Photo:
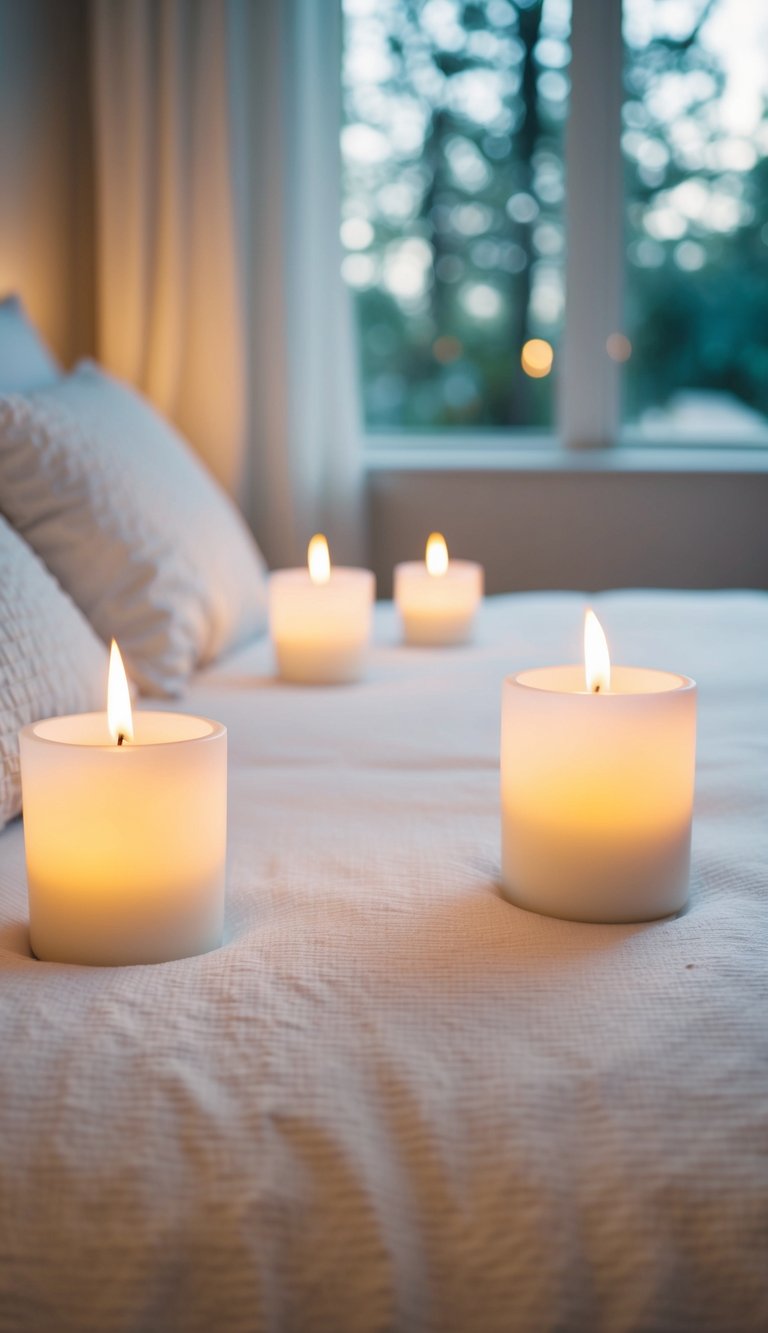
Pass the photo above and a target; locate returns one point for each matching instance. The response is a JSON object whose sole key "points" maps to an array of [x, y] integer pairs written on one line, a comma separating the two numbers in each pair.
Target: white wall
{"points": [[585, 527]]}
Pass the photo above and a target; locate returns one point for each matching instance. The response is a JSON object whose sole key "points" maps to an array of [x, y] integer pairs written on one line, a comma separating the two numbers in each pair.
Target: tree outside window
{"points": [[454, 211]]}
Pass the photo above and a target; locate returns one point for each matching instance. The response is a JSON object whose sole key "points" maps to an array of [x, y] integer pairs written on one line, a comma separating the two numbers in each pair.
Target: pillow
{"points": [[25, 362], [51, 661], [133, 527]]}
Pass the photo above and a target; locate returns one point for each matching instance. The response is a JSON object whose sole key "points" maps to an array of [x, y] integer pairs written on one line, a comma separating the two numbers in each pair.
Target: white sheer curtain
{"points": [[218, 292]]}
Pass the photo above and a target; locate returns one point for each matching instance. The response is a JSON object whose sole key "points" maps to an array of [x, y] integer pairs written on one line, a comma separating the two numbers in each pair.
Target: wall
{"points": [[579, 527], [46, 231]]}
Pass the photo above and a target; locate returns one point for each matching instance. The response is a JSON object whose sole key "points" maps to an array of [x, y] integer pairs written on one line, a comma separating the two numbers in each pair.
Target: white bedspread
{"points": [[393, 1101]]}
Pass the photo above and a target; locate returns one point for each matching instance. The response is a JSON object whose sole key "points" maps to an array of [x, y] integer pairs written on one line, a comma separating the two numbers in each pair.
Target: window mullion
{"points": [[589, 383]]}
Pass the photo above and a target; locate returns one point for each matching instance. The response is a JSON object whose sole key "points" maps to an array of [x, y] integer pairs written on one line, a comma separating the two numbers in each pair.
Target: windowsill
{"points": [[541, 454]]}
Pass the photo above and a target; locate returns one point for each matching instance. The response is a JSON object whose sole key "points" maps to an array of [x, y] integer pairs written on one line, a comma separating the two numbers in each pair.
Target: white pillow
{"points": [[25, 362], [133, 527], [51, 661]]}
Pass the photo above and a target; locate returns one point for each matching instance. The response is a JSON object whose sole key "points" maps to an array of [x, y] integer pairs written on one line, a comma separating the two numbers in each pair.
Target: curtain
{"points": [[218, 267]]}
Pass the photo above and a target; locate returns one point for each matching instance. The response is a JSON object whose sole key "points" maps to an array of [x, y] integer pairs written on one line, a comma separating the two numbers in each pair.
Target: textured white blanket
{"points": [[393, 1101]]}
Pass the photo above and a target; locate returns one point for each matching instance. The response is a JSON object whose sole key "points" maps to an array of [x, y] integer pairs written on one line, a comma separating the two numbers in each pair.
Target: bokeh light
{"points": [[359, 271], [356, 234], [618, 347], [446, 349], [536, 358], [481, 301]]}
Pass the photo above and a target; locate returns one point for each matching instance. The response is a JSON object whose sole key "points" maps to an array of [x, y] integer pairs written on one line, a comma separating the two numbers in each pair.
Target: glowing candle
{"points": [[437, 600], [125, 829], [320, 619], [597, 775]]}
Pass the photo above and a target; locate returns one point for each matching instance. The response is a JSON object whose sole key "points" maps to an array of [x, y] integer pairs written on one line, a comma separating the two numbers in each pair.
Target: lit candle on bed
{"points": [[597, 773], [437, 599], [125, 829], [320, 619]]}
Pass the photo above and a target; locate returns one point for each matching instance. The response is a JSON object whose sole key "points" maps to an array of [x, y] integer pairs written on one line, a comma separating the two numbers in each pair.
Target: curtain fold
{"points": [[322, 408], [217, 179]]}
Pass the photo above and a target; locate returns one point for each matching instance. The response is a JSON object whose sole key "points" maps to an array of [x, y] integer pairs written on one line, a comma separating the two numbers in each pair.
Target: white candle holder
{"points": [[439, 609], [125, 844], [597, 793], [321, 631]]}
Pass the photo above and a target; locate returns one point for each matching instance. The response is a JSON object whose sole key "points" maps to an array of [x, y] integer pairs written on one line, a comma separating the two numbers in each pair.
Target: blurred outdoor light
{"points": [[536, 358]]}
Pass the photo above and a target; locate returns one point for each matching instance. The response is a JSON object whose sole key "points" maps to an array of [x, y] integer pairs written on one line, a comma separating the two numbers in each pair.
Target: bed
{"points": [[393, 1101]]}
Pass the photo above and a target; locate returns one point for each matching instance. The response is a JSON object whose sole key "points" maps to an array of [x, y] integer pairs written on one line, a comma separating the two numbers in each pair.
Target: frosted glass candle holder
{"points": [[438, 610], [321, 631], [125, 845], [597, 793]]}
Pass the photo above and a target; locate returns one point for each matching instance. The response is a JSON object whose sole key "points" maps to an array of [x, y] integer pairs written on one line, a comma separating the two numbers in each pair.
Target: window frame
{"points": [[589, 389]]}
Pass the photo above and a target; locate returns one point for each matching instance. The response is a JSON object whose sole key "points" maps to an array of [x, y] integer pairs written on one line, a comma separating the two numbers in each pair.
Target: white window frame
{"points": [[589, 398]]}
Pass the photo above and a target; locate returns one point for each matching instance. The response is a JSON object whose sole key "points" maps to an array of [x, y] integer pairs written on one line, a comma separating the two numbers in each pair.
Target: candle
{"points": [[437, 600], [597, 771], [320, 619], [125, 825]]}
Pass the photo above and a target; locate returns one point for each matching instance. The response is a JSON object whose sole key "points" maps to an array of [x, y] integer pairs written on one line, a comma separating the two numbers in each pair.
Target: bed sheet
{"points": [[393, 1101]]}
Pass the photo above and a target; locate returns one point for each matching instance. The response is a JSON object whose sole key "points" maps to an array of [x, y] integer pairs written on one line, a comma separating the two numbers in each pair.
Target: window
{"points": [[457, 219], [695, 145], [453, 215]]}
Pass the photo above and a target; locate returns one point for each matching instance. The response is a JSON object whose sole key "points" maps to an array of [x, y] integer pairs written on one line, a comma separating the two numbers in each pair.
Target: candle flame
{"points": [[119, 712], [597, 661], [437, 555], [318, 559]]}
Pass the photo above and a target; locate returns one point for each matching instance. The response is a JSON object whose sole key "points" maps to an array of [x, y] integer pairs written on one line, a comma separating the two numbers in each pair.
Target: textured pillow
{"points": [[133, 527], [50, 659], [25, 362]]}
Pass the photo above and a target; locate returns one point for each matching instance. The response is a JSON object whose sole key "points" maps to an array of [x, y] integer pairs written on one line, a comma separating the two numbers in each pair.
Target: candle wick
{"points": [[120, 737], [596, 690]]}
